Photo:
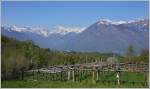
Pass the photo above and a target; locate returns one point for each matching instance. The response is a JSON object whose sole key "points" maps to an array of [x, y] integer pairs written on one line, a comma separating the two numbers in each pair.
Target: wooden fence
{"points": [[93, 70]]}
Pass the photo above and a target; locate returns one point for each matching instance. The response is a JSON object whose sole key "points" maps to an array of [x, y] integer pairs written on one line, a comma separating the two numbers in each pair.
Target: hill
{"points": [[18, 56]]}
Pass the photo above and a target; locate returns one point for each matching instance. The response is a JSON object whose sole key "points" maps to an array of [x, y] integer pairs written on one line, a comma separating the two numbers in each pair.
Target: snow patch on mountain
{"points": [[136, 20], [65, 30], [15, 28], [45, 32], [108, 22]]}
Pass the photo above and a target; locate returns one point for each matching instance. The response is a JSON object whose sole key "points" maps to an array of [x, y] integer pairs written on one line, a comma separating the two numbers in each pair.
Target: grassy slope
{"points": [[85, 83]]}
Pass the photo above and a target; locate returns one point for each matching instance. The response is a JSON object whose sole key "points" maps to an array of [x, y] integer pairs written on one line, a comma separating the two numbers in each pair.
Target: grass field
{"points": [[106, 80]]}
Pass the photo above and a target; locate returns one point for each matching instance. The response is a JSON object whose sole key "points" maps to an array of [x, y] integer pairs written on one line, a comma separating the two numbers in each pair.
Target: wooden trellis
{"points": [[76, 72]]}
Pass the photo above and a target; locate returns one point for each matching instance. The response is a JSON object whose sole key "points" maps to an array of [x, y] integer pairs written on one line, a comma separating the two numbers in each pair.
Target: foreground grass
{"points": [[59, 84], [85, 83]]}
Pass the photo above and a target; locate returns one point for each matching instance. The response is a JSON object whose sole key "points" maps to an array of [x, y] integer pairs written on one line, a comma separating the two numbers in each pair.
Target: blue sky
{"points": [[81, 14]]}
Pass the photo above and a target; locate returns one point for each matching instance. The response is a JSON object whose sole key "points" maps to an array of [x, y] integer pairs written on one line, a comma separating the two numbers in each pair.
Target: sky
{"points": [[72, 14]]}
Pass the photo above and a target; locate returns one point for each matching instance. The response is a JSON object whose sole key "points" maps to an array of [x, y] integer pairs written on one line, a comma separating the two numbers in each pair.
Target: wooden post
{"points": [[93, 74], [93, 77], [69, 75], [73, 74], [97, 76]]}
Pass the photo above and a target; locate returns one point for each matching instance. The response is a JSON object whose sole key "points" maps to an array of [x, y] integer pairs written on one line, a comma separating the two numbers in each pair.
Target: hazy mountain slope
{"points": [[104, 35]]}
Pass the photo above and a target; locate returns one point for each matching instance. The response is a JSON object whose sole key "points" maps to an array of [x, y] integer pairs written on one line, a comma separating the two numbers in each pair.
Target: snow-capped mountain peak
{"points": [[15, 28], [105, 21], [120, 22], [45, 32], [108, 22], [65, 30]]}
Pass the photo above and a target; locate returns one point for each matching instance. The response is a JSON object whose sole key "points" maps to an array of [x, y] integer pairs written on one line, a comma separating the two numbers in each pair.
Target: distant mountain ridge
{"points": [[104, 36], [43, 31]]}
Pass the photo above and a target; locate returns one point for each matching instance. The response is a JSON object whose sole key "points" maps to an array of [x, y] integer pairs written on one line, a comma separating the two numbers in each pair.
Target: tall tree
{"points": [[144, 56], [130, 51], [130, 54]]}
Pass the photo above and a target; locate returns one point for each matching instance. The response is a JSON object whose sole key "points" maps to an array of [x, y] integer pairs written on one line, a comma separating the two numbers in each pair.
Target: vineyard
{"points": [[100, 74]]}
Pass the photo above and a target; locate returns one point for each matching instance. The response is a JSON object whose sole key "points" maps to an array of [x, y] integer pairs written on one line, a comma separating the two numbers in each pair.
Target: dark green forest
{"points": [[18, 56]]}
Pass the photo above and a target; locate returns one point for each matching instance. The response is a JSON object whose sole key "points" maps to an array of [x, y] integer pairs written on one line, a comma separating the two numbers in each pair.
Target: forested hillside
{"points": [[18, 56]]}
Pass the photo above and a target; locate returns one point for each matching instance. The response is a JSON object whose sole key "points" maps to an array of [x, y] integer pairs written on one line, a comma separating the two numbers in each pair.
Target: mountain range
{"points": [[102, 36]]}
